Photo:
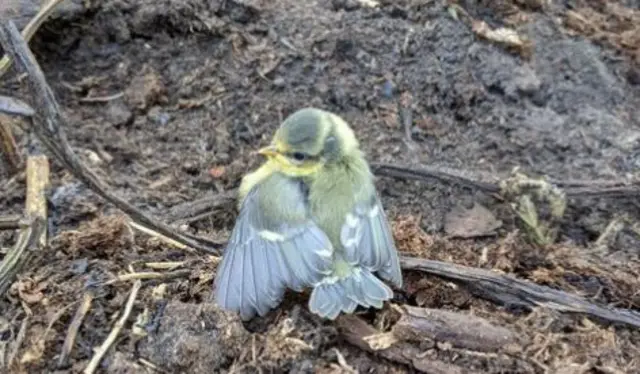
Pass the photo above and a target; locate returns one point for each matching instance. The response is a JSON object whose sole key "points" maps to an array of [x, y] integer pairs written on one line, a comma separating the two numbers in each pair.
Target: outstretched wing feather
{"points": [[260, 262], [367, 240]]}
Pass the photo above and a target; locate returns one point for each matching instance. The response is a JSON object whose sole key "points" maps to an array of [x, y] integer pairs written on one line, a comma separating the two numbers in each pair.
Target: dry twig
{"points": [[164, 265], [491, 184], [194, 211], [74, 326], [37, 184], [35, 350], [14, 222], [102, 99], [355, 331], [150, 275], [159, 236], [418, 325], [102, 350], [151, 365], [17, 343], [459, 329]]}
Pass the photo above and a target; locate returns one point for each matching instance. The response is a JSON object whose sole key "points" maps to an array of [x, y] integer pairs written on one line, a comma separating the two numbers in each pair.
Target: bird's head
{"points": [[309, 140]]}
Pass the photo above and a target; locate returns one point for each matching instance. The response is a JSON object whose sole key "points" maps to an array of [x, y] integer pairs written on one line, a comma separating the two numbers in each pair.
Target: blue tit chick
{"points": [[310, 216]]}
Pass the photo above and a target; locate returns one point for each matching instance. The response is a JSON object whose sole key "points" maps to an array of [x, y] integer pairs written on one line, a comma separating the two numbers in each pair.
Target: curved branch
{"points": [[509, 290], [609, 189]]}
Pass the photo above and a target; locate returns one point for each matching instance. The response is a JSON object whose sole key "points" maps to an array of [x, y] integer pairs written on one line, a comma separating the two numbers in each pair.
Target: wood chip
{"points": [[460, 330], [504, 36], [380, 341]]}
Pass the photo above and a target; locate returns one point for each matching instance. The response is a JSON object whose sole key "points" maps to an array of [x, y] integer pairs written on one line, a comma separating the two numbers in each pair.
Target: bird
{"points": [[309, 217]]}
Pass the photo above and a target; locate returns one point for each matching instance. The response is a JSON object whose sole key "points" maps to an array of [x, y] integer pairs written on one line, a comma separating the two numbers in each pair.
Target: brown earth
{"points": [[188, 88]]}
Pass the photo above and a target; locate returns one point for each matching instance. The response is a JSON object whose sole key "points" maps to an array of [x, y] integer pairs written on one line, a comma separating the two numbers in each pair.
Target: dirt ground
{"points": [[166, 100]]}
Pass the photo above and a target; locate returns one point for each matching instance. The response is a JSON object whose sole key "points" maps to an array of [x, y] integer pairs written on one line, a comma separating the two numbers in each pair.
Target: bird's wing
{"points": [[267, 254], [367, 240]]}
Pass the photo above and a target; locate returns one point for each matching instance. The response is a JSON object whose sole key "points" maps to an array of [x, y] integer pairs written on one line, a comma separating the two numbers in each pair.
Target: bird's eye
{"points": [[299, 156]]}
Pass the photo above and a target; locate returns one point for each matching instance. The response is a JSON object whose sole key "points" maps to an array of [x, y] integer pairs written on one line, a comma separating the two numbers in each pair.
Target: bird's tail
{"points": [[359, 287]]}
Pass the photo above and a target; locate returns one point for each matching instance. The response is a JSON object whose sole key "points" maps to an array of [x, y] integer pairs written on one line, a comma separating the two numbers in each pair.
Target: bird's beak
{"points": [[269, 151]]}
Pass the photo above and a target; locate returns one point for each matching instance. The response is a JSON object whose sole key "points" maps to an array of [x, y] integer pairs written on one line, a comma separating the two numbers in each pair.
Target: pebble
{"points": [[158, 116]]}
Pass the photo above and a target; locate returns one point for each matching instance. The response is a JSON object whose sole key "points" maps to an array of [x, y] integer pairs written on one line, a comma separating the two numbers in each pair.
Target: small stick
{"points": [[72, 332], [459, 329], [151, 365], [202, 207], [37, 183], [405, 116], [149, 275], [19, 339], [490, 184], [197, 218], [102, 99], [102, 350], [161, 237], [354, 330], [56, 317], [14, 222], [164, 265], [428, 174]]}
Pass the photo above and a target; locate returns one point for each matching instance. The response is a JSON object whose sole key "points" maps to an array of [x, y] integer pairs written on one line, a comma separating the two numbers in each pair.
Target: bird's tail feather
{"points": [[335, 294]]}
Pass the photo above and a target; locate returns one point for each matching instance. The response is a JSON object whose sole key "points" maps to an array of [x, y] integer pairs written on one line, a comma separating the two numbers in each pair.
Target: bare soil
{"points": [[187, 89]]}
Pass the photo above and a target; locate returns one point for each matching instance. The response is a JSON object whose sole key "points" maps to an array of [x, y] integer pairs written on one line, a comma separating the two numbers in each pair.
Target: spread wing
{"points": [[273, 246], [367, 240]]}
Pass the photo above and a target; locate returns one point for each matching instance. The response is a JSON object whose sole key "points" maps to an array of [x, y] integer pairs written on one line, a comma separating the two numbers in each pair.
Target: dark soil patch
{"points": [[194, 86]]}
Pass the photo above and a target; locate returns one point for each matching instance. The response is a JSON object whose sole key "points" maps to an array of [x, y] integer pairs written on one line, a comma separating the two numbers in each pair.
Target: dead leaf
{"points": [[409, 236], [470, 223]]}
